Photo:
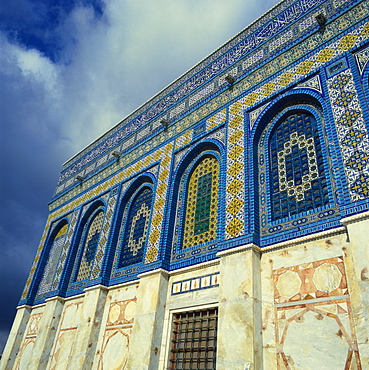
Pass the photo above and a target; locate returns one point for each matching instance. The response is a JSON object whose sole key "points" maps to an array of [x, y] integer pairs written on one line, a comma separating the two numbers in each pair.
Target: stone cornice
{"points": [[200, 266], [239, 249], [304, 239], [153, 272], [355, 218]]}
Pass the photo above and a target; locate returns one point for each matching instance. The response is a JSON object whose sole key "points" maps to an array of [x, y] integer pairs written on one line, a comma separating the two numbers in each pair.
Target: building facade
{"points": [[224, 224]]}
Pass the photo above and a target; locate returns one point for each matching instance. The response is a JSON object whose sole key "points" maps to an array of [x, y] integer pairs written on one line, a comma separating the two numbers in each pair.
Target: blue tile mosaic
{"points": [[289, 147], [134, 236], [297, 178]]}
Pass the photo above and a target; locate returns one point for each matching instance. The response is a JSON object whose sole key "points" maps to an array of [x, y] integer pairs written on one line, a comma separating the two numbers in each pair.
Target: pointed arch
{"points": [[294, 184], [54, 246], [133, 220], [87, 241], [134, 232], [193, 218]]}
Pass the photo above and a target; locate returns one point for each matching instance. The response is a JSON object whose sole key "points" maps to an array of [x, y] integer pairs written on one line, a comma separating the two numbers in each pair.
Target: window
{"points": [[194, 340], [202, 203], [91, 242], [133, 238], [52, 261], [297, 179]]}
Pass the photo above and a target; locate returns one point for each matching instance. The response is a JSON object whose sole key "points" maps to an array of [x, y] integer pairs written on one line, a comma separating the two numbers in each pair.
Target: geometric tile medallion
{"points": [[314, 328]]}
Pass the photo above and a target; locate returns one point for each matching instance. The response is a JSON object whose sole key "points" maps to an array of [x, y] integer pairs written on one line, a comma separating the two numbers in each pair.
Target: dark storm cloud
{"points": [[28, 175], [70, 70], [36, 23]]}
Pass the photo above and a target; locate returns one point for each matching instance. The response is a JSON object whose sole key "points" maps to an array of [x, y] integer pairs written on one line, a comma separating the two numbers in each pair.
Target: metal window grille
{"points": [[297, 179], [203, 203], [194, 340]]}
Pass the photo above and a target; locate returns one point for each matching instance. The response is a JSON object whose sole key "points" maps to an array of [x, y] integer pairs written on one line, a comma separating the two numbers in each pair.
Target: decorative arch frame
{"points": [[297, 100], [172, 248], [128, 198], [79, 246], [49, 260], [365, 79]]}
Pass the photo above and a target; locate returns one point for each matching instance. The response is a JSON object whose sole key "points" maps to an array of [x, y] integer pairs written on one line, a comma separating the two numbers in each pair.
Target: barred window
{"points": [[194, 340], [202, 203], [297, 179], [56, 248], [133, 237], [91, 242]]}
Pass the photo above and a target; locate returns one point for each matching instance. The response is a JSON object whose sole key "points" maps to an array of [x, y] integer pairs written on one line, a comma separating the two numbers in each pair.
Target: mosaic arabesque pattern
{"points": [[134, 234], [97, 263], [117, 172], [235, 223], [52, 261], [235, 176], [352, 133], [337, 26], [312, 83], [254, 59], [333, 50], [60, 263], [312, 303], [85, 197], [251, 38], [184, 139], [64, 253], [314, 61], [91, 241], [294, 184], [216, 120], [201, 218], [362, 59], [309, 64], [180, 247], [159, 202], [296, 179]]}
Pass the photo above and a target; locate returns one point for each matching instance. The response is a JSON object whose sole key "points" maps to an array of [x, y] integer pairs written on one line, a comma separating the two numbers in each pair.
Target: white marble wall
{"points": [[302, 304]]}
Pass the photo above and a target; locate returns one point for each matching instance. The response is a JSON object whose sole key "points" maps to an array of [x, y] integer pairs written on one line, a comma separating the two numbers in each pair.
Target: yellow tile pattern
{"points": [[357, 36], [62, 231], [325, 55], [159, 203], [285, 78], [315, 61], [235, 180], [360, 12], [268, 89], [184, 139], [216, 120], [347, 42]]}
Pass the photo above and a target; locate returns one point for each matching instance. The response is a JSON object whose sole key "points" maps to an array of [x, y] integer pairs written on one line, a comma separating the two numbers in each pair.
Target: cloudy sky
{"points": [[70, 70]]}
